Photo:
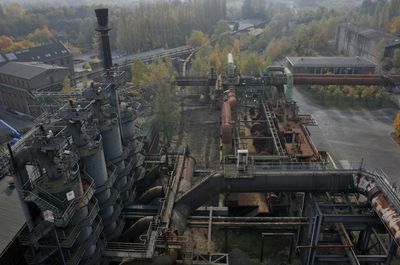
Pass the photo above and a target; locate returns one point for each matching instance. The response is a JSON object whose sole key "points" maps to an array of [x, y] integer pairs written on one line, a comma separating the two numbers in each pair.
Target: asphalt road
{"points": [[350, 136]]}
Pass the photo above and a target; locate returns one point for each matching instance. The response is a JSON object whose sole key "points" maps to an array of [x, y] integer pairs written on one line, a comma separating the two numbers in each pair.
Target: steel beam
{"points": [[316, 228], [343, 258]]}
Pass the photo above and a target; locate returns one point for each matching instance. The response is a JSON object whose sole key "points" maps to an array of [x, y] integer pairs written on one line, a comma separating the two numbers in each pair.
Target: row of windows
{"points": [[338, 70], [15, 101], [14, 81]]}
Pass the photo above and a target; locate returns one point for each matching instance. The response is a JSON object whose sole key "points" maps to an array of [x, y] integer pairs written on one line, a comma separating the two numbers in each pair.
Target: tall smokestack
{"points": [[102, 21]]}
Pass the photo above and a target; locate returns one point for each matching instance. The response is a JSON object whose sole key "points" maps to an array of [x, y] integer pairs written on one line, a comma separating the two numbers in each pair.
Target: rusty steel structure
{"points": [[309, 79], [95, 187]]}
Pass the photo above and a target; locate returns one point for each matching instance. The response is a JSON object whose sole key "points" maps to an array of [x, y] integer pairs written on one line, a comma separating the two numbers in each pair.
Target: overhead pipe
{"points": [[379, 193], [226, 126]]}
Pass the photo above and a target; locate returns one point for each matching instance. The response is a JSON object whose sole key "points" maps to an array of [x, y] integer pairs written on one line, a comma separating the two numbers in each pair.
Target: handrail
{"points": [[62, 218], [90, 241]]}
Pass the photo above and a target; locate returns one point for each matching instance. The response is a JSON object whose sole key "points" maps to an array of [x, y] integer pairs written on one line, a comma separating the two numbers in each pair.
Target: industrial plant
{"points": [[97, 187]]}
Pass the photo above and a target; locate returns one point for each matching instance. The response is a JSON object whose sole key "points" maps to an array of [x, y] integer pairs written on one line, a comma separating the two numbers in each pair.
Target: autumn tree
{"points": [[40, 35], [72, 48], [251, 64], [396, 125], [7, 44], [395, 26], [139, 72], [277, 48], [67, 84], [85, 81]]}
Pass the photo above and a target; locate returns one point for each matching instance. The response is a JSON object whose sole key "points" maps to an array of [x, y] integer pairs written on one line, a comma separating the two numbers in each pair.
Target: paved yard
{"points": [[353, 135]]}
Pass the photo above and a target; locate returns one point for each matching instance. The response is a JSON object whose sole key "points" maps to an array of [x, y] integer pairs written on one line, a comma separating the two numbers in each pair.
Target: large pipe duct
{"points": [[231, 96], [226, 126], [379, 193], [185, 182], [103, 29]]}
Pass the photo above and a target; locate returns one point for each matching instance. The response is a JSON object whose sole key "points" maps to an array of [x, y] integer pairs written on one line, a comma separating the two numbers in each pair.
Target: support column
{"points": [[391, 251], [363, 240], [314, 240]]}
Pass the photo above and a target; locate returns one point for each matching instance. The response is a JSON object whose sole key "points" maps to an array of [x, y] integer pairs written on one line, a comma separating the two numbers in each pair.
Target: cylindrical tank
{"points": [[112, 141], [128, 123], [94, 164]]}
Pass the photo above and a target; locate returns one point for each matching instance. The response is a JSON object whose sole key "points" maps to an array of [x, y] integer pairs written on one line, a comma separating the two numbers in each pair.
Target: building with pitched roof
{"points": [[375, 45], [18, 80], [50, 53]]}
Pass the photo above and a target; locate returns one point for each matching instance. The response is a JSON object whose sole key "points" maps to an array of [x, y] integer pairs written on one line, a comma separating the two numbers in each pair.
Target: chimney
{"points": [[102, 21]]}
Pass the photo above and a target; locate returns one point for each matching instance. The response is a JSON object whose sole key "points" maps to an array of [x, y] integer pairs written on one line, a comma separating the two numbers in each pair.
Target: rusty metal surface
{"points": [[226, 127]]}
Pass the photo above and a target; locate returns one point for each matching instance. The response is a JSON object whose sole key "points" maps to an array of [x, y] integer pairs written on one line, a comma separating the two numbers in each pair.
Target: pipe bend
{"points": [[151, 194], [138, 228]]}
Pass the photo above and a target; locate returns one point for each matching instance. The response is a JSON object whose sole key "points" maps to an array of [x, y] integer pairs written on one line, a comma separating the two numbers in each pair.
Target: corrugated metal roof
{"points": [[46, 52], [27, 70], [329, 62], [11, 215]]}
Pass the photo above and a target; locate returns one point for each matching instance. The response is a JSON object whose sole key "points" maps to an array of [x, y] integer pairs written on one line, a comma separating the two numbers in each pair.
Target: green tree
{"points": [[166, 111], [197, 39], [86, 66], [251, 64], [277, 48], [396, 58]]}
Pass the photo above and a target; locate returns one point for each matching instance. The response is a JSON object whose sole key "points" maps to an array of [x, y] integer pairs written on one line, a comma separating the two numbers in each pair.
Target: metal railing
{"points": [[67, 240], [27, 238], [62, 215], [77, 256], [32, 258]]}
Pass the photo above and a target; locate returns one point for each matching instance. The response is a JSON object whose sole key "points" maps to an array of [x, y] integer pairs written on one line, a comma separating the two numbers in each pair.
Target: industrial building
{"points": [[53, 52], [19, 79], [96, 187], [372, 44], [330, 65]]}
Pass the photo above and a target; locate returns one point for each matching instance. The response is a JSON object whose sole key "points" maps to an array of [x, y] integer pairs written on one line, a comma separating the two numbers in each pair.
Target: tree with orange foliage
{"points": [[7, 44], [396, 125]]}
